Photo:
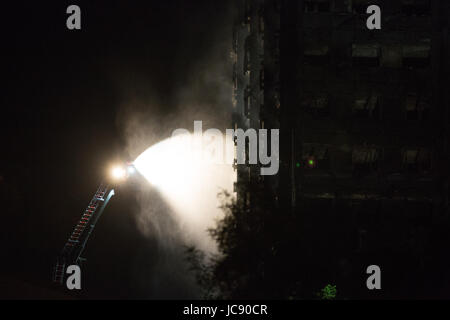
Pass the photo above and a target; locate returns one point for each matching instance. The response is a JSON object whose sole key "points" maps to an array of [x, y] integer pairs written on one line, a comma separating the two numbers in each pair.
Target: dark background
{"points": [[59, 129]]}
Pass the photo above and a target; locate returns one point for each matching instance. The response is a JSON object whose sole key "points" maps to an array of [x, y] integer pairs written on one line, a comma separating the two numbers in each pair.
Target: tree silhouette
{"points": [[259, 252]]}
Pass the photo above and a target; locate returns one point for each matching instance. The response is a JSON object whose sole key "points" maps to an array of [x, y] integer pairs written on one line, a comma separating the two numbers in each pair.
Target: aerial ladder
{"points": [[71, 253]]}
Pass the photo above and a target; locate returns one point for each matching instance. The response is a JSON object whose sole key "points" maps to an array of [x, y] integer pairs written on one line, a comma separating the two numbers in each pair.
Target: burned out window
{"points": [[310, 6], [247, 11], [341, 6], [276, 47], [365, 159], [277, 6], [317, 104], [247, 101], [367, 107], [362, 239], [315, 156], [416, 56], [317, 5], [235, 78], [391, 56], [261, 78], [246, 64], [360, 6], [261, 23], [416, 7], [416, 160], [366, 55], [416, 108], [316, 54]]}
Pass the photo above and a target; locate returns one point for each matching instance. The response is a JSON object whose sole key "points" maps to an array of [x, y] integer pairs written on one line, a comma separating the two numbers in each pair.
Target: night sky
{"points": [[62, 102]]}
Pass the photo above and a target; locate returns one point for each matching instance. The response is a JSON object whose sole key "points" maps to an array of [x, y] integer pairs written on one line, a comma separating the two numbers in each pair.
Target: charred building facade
{"points": [[364, 138]]}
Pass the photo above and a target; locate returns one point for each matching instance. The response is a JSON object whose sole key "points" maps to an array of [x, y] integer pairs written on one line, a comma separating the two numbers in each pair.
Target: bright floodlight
{"points": [[131, 169], [119, 173]]}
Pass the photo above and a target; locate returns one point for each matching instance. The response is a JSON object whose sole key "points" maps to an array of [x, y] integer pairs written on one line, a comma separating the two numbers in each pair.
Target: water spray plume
{"points": [[189, 182]]}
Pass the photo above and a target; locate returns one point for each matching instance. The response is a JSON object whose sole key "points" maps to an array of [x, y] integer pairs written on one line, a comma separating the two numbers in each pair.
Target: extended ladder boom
{"points": [[71, 253]]}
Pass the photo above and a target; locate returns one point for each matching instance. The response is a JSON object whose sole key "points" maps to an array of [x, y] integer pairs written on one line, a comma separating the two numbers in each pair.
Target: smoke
{"points": [[176, 211]]}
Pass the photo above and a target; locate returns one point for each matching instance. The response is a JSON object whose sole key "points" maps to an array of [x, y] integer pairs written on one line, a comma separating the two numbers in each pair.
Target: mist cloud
{"points": [[201, 90]]}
